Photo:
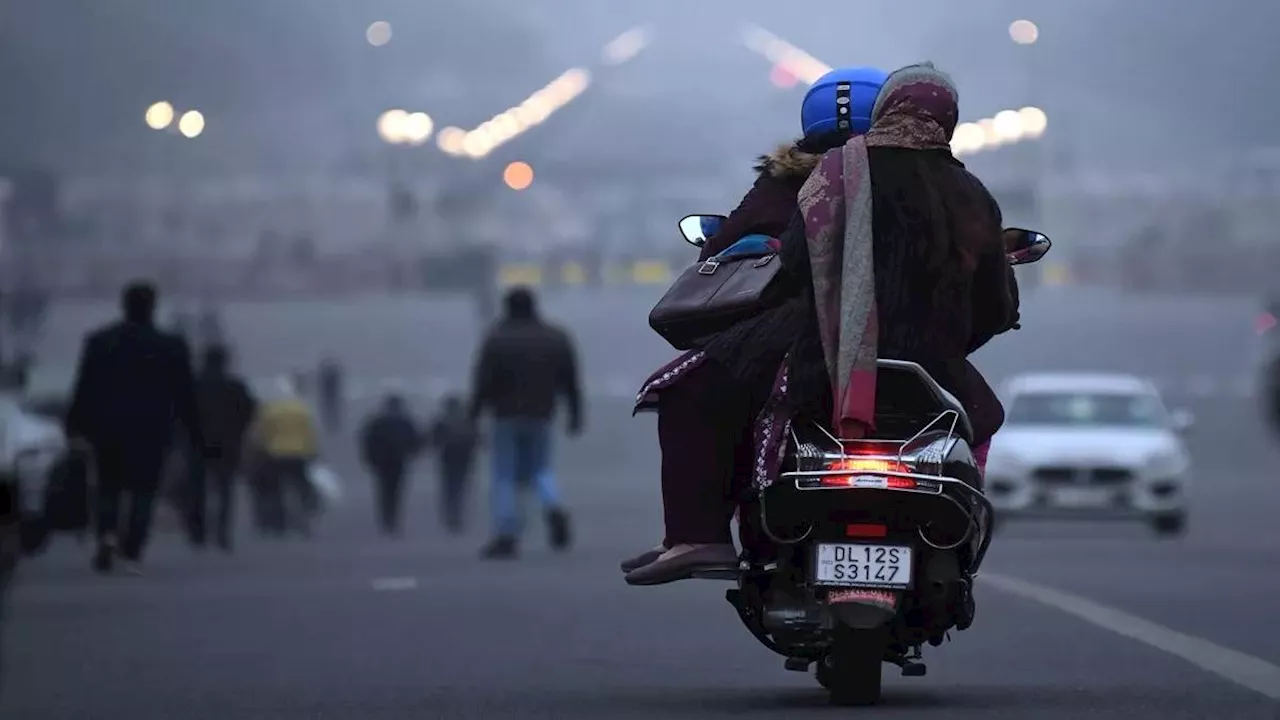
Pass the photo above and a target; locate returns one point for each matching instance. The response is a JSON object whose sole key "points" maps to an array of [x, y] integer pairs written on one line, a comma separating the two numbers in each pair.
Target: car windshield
{"points": [[1087, 409]]}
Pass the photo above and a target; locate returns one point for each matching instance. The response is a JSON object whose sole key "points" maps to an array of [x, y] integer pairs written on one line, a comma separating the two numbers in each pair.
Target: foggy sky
{"points": [[293, 83]]}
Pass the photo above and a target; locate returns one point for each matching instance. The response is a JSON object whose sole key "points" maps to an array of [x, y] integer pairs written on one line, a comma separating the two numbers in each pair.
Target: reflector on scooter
{"points": [[866, 530]]}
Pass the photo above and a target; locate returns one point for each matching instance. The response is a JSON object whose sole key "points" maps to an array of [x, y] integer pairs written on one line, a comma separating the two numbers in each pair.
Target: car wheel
{"points": [[1172, 524]]}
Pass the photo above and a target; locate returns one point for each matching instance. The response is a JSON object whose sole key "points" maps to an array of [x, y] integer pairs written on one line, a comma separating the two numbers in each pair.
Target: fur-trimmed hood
{"points": [[788, 161]]}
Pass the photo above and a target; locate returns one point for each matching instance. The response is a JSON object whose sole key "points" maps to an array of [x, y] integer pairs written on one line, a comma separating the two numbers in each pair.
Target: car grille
{"points": [[1083, 476]]}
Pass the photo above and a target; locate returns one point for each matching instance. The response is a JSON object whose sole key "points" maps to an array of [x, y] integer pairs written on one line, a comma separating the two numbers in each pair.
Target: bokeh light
{"points": [[452, 140], [378, 33], [191, 124], [518, 175], [799, 63], [1024, 32], [391, 126], [1034, 121], [1006, 128], [417, 128], [782, 77], [159, 115], [512, 122], [625, 46], [967, 138]]}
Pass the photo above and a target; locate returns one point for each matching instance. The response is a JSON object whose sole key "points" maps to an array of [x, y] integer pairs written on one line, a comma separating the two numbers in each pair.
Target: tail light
{"points": [[867, 465], [1265, 323], [878, 482]]}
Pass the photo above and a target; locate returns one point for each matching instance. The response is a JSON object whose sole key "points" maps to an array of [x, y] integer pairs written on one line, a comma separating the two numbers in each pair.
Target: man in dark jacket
{"points": [[133, 387], [525, 365], [227, 409], [388, 443]]}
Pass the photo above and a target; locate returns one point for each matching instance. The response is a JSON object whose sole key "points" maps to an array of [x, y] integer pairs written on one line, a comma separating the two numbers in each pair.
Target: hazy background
{"points": [[293, 83]]}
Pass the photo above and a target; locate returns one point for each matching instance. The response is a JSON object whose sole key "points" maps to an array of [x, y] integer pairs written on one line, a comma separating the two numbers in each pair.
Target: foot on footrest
{"points": [[798, 664]]}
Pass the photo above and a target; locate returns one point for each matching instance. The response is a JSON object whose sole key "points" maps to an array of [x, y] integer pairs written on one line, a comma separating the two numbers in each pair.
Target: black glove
{"points": [[575, 425]]}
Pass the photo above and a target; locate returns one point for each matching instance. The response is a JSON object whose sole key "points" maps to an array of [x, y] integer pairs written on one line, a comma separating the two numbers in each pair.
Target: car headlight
{"points": [[1168, 464]]}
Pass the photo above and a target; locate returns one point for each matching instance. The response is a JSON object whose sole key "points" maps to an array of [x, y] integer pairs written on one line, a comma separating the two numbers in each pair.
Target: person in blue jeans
{"points": [[525, 366]]}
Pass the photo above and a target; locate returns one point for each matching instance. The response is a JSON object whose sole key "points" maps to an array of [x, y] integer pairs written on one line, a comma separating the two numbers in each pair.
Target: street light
{"points": [[1006, 128], [1024, 32], [1034, 121], [378, 33], [391, 126], [625, 46], [518, 175], [506, 125], [191, 124], [401, 127], [782, 77], [452, 140], [781, 53], [417, 128], [159, 115]]}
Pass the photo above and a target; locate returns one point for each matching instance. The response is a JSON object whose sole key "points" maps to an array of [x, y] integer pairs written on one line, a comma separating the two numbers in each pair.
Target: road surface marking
{"points": [[395, 584], [1245, 670]]}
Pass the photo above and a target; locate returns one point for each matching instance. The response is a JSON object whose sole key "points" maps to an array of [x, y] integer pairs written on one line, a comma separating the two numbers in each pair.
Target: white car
{"points": [[29, 445], [1089, 445]]}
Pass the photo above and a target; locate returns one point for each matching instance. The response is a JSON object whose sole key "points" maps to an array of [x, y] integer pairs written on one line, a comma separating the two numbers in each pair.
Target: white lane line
{"points": [[395, 584], [1245, 670]]}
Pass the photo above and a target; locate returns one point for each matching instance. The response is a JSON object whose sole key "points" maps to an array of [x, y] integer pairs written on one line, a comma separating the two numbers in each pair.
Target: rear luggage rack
{"points": [[894, 466]]}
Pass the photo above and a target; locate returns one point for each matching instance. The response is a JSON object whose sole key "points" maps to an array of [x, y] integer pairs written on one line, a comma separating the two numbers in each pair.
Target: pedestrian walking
{"points": [[133, 387], [524, 367]]}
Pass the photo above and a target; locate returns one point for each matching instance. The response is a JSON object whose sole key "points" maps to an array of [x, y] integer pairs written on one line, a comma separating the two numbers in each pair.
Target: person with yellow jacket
{"points": [[286, 439]]}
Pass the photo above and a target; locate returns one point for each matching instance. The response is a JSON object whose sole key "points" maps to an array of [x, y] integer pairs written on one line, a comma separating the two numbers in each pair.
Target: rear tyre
{"points": [[1170, 525], [852, 670]]}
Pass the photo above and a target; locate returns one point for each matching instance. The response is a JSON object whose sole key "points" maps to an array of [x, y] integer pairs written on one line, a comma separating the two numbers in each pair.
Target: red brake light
{"points": [[1266, 323]]}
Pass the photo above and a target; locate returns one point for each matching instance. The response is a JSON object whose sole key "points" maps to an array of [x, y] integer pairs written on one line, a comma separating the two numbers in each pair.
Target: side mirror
{"points": [[1182, 420], [697, 228], [1025, 246]]}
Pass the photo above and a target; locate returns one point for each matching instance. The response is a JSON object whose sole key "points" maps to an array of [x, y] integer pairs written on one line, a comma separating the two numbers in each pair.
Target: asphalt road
{"points": [[1075, 620]]}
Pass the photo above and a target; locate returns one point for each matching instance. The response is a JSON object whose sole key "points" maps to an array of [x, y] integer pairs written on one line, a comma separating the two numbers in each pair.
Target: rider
{"points": [[704, 416], [922, 276]]}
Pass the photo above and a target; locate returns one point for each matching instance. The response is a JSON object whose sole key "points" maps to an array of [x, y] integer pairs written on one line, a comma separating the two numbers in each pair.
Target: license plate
{"points": [[1082, 497], [847, 565]]}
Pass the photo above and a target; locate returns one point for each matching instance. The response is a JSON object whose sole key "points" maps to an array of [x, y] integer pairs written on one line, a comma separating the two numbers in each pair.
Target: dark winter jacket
{"points": [[769, 204]]}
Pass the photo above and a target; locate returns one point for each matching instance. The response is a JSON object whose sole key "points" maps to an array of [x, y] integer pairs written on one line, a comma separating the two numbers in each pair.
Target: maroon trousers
{"points": [[705, 422]]}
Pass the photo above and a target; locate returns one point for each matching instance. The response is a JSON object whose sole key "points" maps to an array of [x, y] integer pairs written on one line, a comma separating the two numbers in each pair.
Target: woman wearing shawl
{"points": [[896, 252]]}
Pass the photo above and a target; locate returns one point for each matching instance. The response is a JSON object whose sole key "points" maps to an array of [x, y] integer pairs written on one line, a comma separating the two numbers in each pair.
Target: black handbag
{"points": [[712, 295]]}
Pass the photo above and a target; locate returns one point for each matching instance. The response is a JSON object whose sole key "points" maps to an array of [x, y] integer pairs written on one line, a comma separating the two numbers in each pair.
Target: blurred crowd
{"points": [[161, 424]]}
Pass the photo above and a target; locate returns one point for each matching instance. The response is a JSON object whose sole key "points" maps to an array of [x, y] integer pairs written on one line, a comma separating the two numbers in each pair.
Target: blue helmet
{"points": [[818, 113]]}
